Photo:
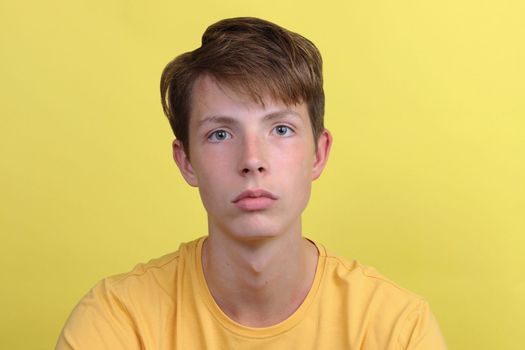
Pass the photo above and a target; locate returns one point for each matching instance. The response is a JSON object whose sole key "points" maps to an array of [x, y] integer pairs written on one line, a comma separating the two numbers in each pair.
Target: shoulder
{"points": [[156, 276], [366, 281], [385, 309], [117, 310]]}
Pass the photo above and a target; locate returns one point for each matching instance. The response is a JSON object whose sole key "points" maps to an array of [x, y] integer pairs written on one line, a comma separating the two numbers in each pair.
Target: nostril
{"points": [[246, 171]]}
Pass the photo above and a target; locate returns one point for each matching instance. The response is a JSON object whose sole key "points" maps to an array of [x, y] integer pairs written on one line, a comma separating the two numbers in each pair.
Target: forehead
{"points": [[208, 92], [210, 98]]}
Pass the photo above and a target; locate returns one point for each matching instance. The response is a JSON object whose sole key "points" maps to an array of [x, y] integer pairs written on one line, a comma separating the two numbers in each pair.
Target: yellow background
{"points": [[426, 181]]}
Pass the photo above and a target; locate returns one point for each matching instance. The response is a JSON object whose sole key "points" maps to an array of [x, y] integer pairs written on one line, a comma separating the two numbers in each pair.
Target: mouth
{"points": [[254, 200]]}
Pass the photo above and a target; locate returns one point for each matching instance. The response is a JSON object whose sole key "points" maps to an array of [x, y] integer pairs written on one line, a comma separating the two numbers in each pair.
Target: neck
{"points": [[259, 283]]}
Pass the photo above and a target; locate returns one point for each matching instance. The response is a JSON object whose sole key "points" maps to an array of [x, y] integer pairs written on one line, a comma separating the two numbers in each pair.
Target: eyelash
{"points": [[288, 128], [213, 136]]}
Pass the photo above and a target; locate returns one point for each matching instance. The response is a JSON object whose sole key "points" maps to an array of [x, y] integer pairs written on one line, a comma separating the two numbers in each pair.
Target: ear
{"points": [[180, 157], [324, 143]]}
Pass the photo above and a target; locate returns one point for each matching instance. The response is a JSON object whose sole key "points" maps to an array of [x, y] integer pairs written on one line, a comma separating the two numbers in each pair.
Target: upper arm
{"points": [[421, 331], [99, 321]]}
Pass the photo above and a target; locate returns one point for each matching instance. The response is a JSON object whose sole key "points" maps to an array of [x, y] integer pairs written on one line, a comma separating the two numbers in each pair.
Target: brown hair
{"points": [[252, 56]]}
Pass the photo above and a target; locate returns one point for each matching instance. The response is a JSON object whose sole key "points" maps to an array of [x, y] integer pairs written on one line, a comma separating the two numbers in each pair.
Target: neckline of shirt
{"points": [[257, 332]]}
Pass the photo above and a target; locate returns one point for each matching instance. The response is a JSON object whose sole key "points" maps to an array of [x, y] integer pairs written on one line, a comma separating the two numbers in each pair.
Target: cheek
{"points": [[298, 161], [213, 173], [214, 194], [212, 163], [296, 171]]}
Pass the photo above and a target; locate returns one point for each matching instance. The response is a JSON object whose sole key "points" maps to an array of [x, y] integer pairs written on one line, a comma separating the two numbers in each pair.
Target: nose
{"points": [[253, 158]]}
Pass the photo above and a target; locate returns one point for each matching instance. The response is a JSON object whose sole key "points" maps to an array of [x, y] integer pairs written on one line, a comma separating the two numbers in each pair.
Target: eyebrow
{"points": [[223, 119]]}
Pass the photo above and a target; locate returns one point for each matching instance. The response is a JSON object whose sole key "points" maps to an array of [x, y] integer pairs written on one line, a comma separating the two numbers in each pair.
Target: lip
{"points": [[253, 200]]}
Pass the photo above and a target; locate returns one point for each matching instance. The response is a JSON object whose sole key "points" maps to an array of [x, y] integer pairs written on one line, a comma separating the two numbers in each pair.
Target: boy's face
{"points": [[253, 165]]}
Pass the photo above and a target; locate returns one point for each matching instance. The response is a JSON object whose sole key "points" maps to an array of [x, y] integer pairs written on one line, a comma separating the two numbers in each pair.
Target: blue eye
{"points": [[219, 135], [283, 130]]}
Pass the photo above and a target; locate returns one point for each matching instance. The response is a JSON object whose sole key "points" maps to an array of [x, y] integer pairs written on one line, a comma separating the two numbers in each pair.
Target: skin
{"points": [[257, 265]]}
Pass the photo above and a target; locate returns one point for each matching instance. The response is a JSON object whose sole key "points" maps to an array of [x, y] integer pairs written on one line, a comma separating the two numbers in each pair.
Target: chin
{"points": [[253, 232], [255, 226], [254, 229]]}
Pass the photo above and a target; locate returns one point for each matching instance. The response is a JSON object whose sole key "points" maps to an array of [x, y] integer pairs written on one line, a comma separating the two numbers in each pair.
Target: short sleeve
{"points": [[421, 331], [99, 321]]}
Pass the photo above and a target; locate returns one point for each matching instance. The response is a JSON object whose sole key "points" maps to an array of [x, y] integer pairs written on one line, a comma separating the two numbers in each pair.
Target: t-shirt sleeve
{"points": [[99, 321], [421, 331]]}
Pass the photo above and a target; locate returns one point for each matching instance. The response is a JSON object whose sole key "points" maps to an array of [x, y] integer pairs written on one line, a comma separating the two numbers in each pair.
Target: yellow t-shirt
{"points": [[166, 304]]}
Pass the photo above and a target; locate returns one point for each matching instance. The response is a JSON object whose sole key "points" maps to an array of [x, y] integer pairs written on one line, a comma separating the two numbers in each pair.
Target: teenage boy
{"points": [[247, 112]]}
